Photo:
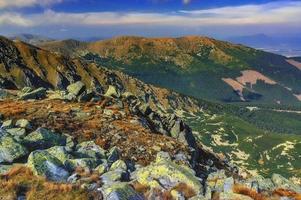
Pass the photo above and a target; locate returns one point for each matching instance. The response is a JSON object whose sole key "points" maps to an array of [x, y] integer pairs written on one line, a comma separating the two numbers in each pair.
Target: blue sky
{"points": [[107, 18]]}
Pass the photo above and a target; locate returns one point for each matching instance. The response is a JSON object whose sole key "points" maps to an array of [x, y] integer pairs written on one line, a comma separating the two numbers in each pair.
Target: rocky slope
{"points": [[112, 147], [197, 66], [24, 65]]}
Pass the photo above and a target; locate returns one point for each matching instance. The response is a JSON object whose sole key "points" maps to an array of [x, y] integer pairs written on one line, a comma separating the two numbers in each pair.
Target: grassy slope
{"points": [[195, 66], [264, 152]]}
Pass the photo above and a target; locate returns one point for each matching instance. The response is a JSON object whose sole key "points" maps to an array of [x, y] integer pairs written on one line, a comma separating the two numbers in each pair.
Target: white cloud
{"points": [[26, 3], [14, 19], [270, 13]]}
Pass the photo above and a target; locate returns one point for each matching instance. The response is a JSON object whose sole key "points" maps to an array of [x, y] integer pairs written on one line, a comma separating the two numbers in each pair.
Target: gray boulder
{"points": [[233, 196], [23, 123], [10, 150], [60, 152], [103, 167], [7, 124], [86, 96], [44, 164], [76, 88], [84, 163], [39, 93], [281, 182], [260, 184], [217, 181], [113, 155], [19, 132], [165, 173], [120, 191], [112, 92], [43, 139], [119, 165], [89, 150], [111, 177]]}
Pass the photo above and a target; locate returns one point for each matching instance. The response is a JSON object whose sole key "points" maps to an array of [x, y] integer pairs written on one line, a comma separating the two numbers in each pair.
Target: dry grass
{"points": [[142, 189], [58, 187], [21, 181], [287, 193], [166, 195], [187, 191], [240, 189], [162, 195]]}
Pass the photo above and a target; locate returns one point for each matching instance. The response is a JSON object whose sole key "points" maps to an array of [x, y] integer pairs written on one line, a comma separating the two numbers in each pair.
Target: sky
{"points": [[153, 18]]}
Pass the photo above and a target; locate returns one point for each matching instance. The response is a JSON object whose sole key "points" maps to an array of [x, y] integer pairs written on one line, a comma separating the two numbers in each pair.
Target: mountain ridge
{"points": [[189, 61]]}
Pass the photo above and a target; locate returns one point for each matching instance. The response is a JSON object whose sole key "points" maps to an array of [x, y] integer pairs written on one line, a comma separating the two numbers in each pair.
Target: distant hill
{"points": [[288, 46], [31, 39], [197, 66], [257, 40], [296, 59]]}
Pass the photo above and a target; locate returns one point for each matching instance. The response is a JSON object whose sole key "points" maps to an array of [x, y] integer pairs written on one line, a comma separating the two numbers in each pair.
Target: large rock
{"points": [[76, 88], [43, 139], [84, 163], [3, 132], [113, 176], [60, 152], [35, 94], [44, 164], [61, 95], [113, 155], [181, 131], [120, 191], [103, 167], [10, 150], [7, 124], [86, 96], [23, 123], [218, 182], [164, 172], [281, 182], [260, 184], [233, 196], [89, 150], [119, 165], [112, 92], [19, 132]]}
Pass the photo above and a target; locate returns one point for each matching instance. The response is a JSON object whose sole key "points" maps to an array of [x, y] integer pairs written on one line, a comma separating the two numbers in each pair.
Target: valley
{"points": [[196, 66]]}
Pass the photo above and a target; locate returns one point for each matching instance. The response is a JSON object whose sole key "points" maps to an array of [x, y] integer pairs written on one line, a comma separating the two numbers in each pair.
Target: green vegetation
{"points": [[196, 66], [261, 152]]}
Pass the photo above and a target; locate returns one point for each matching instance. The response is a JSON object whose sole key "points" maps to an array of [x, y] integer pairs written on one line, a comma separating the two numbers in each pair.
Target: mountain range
{"points": [[287, 46], [196, 66]]}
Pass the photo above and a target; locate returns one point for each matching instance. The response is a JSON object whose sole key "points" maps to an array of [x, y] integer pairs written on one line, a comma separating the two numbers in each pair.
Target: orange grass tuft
{"points": [[287, 193], [185, 189], [240, 189]]}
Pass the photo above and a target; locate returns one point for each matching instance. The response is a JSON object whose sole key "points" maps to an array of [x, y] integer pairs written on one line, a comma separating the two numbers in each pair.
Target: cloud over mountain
{"points": [[240, 18]]}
